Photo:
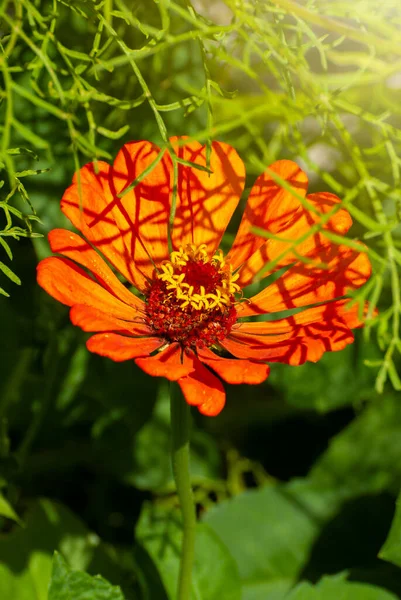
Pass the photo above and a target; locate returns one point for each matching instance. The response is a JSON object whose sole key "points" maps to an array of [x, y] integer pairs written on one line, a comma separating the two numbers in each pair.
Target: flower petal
{"points": [[88, 203], [69, 284], [206, 201], [131, 231], [73, 246], [235, 371], [294, 340], [325, 202], [92, 319], [269, 207], [203, 389], [171, 363], [293, 351], [142, 214], [305, 284], [299, 237], [315, 314], [120, 348]]}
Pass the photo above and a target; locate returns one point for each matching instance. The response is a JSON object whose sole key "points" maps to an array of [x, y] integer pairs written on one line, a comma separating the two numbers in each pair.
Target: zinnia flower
{"points": [[188, 319]]}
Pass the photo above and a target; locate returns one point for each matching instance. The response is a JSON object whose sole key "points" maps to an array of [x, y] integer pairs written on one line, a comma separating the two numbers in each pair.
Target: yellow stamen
{"points": [[224, 292]]}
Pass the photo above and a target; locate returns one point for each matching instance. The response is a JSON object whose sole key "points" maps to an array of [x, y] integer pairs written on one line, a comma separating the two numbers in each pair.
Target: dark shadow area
{"points": [[288, 448], [352, 540], [107, 507]]}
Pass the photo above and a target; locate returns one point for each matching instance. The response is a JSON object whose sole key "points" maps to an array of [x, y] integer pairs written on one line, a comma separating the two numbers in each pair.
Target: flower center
{"points": [[191, 299]]}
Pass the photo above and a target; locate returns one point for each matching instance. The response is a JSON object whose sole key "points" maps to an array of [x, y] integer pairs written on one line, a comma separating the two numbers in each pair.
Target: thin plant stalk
{"points": [[180, 430]]}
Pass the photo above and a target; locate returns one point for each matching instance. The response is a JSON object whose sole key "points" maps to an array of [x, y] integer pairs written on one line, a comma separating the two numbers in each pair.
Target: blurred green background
{"points": [[296, 480]]}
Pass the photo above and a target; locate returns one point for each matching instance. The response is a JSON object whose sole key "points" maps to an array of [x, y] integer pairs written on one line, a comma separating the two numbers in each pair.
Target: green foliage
{"points": [[215, 574], [296, 480], [371, 466], [6, 510], [275, 79], [26, 553], [66, 584], [148, 465], [331, 588], [269, 552], [356, 383], [391, 549]]}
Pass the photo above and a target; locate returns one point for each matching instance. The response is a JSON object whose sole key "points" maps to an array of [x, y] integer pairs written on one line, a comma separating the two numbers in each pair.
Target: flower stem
{"points": [[180, 425]]}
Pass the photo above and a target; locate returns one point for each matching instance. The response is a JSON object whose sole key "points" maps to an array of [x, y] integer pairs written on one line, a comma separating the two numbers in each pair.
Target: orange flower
{"points": [[190, 314]]}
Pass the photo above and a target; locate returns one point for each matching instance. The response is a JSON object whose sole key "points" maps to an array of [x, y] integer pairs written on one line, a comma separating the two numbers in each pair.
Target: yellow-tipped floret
{"points": [[223, 294]]}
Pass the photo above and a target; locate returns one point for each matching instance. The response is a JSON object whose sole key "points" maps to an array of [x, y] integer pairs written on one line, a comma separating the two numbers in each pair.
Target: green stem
{"points": [[180, 425]]}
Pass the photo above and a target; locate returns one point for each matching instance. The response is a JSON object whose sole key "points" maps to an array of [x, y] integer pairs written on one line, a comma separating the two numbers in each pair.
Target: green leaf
{"points": [[280, 533], [366, 456], [7, 271], [18, 151], [26, 554], [6, 248], [152, 468], [28, 172], [335, 588], [6, 510], [142, 459], [142, 175], [278, 527], [215, 576], [113, 135], [316, 386], [271, 539], [391, 549], [66, 584], [193, 165]]}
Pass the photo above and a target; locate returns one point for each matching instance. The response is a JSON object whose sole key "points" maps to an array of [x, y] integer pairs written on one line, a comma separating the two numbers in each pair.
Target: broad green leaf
{"points": [[66, 584], [215, 576], [337, 588], [270, 535], [26, 553], [266, 590], [287, 531], [277, 527]]}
